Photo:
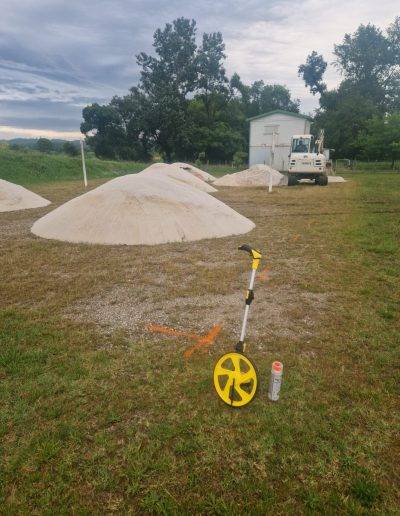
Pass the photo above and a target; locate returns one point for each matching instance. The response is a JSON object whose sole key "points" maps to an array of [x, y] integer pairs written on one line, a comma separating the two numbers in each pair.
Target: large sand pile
{"points": [[14, 197], [258, 175], [141, 209], [197, 172], [178, 174]]}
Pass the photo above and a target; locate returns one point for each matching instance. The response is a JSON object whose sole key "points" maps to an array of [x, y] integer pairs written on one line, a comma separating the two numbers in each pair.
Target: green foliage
{"points": [[44, 145], [184, 104], [239, 158], [381, 138], [344, 113], [70, 149], [369, 61], [15, 146], [312, 72]]}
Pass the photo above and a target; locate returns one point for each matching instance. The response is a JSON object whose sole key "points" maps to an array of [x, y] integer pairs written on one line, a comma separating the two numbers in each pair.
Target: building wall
{"points": [[261, 130]]}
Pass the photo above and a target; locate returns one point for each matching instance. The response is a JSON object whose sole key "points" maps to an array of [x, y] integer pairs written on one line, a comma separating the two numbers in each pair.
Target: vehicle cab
{"points": [[304, 156]]}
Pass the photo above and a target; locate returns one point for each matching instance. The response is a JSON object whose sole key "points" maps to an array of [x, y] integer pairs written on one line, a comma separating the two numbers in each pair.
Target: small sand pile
{"points": [[141, 209], [257, 175], [178, 174], [336, 179], [197, 172], [331, 179], [14, 197]]}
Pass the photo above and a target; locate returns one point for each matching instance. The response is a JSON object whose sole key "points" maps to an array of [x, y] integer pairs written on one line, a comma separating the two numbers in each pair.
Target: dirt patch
{"points": [[283, 312]]}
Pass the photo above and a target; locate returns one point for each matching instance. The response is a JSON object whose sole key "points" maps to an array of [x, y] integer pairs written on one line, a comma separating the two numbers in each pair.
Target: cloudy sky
{"points": [[57, 56]]}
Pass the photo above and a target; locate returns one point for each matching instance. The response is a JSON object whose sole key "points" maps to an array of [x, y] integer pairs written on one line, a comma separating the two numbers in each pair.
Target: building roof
{"points": [[281, 112]]}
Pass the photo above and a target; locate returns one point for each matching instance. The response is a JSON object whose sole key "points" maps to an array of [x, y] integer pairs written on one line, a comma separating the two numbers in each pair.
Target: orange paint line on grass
{"points": [[156, 328], [203, 342]]}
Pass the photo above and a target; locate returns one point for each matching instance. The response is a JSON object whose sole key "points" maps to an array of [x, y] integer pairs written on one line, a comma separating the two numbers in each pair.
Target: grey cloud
{"points": [[56, 55]]}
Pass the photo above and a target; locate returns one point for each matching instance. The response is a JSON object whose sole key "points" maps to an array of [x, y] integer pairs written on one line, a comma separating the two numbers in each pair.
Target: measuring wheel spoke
{"points": [[246, 378]]}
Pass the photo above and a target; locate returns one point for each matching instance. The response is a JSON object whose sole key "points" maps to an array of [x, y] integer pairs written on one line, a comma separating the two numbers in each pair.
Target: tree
{"points": [[312, 72], [44, 145], [260, 98], [381, 138], [343, 114], [70, 149], [184, 105], [370, 59], [166, 80], [211, 75]]}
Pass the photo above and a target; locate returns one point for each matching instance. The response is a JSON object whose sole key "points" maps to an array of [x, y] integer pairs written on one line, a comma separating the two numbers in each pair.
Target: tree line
{"points": [[45, 145], [361, 117], [185, 107]]}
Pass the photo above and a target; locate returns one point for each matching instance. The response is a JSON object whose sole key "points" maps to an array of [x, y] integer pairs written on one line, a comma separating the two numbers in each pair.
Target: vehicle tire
{"points": [[292, 180], [321, 180]]}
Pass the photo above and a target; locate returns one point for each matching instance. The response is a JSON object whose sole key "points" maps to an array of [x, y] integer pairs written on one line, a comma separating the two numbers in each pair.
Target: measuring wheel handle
{"points": [[256, 257]]}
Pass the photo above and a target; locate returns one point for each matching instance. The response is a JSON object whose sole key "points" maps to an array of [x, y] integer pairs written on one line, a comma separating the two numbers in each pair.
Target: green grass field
{"points": [[30, 167], [98, 415]]}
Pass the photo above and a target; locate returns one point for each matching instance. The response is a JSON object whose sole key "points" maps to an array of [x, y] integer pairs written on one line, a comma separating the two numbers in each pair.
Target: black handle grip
{"points": [[246, 247]]}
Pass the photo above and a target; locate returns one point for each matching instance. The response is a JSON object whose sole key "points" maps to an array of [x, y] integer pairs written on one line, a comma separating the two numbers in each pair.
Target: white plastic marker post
{"points": [[83, 164], [270, 183], [275, 381]]}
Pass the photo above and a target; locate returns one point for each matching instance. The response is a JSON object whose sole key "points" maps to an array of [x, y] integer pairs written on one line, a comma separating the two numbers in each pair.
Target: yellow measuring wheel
{"points": [[235, 377]]}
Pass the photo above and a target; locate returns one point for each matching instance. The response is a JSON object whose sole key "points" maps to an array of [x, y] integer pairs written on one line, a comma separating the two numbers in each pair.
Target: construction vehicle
{"points": [[307, 159]]}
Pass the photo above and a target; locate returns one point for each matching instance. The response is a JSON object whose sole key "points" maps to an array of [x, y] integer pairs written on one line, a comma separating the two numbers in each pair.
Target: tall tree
{"points": [[211, 78], [166, 80], [370, 59], [312, 72], [343, 114]]}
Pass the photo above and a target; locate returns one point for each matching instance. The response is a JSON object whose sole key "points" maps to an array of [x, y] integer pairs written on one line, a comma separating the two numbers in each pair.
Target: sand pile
{"points": [[258, 175], [197, 172], [141, 209], [14, 197], [336, 179], [178, 174]]}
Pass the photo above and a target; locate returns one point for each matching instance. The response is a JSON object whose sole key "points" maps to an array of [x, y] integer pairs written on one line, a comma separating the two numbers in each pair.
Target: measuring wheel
{"points": [[235, 379]]}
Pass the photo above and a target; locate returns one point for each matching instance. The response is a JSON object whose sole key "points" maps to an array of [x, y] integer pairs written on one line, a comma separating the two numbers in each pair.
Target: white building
{"points": [[270, 136]]}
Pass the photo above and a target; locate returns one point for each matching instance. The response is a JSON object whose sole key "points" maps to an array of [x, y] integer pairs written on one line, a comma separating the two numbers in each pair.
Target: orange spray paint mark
{"points": [[264, 274], [295, 238], [203, 342]]}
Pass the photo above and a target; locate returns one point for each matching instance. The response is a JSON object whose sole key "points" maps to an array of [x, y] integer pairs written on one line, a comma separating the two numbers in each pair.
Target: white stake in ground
{"points": [[83, 165]]}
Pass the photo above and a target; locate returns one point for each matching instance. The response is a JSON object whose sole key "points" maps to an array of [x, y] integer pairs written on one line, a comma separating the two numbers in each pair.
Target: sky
{"points": [[58, 56]]}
